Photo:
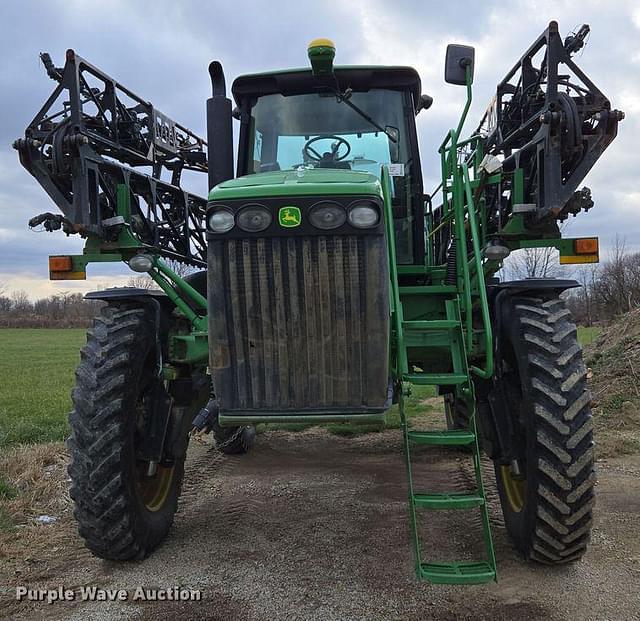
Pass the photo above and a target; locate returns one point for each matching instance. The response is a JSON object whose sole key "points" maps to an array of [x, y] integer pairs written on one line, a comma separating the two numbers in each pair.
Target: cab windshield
{"points": [[318, 130]]}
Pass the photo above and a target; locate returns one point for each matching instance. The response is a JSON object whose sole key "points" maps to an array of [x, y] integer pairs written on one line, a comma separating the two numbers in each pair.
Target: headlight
{"points": [[363, 215], [327, 215], [254, 218], [141, 263], [221, 221]]}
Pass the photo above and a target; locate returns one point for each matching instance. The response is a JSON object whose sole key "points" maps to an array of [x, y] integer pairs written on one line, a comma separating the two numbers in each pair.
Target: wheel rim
{"points": [[154, 490], [515, 489]]}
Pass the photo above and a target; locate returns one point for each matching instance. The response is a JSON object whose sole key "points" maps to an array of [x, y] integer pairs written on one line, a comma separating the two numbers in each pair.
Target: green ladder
{"points": [[439, 333], [436, 327]]}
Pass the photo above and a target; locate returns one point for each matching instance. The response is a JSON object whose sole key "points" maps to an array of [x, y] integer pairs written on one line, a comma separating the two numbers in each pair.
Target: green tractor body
{"points": [[330, 282], [300, 314]]}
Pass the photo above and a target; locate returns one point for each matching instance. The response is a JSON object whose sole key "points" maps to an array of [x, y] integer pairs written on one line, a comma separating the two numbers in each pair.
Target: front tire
{"points": [[547, 493], [123, 508]]}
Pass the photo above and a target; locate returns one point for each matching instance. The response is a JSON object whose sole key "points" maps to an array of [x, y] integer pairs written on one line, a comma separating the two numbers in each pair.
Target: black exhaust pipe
{"points": [[219, 130]]}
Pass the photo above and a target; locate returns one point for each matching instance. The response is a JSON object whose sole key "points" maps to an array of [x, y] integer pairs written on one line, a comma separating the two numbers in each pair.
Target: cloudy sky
{"points": [[161, 50]]}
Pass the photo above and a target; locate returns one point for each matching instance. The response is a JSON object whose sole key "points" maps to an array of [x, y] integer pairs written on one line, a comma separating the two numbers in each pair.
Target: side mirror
{"points": [[424, 103], [458, 58]]}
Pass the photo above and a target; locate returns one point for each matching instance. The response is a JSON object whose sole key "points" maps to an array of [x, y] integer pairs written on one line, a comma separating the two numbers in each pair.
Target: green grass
{"points": [[37, 374], [7, 491], [588, 334], [37, 371]]}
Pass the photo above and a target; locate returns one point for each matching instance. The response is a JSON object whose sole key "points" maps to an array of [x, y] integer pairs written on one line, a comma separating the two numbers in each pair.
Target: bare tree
{"points": [[5, 301], [532, 263], [20, 302], [144, 281], [589, 274], [613, 289]]}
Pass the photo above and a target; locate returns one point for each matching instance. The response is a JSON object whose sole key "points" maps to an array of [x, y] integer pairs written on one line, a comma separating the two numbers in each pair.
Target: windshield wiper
{"points": [[346, 98]]}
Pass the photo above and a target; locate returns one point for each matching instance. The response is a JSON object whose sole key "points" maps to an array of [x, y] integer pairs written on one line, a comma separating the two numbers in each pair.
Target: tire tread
{"points": [[564, 443]]}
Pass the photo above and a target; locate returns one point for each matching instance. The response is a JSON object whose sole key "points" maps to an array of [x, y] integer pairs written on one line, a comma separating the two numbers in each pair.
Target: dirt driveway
{"points": [[314, 526]]}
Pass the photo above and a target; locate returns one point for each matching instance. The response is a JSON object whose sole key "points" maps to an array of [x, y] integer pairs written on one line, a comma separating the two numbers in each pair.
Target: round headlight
{"points": [[254, 218], [327, 215], [221, 221], [363, 215], [141, 263]]}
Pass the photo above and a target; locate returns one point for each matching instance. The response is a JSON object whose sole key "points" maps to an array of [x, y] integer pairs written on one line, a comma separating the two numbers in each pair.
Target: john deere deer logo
{"points": [[289, 217]]}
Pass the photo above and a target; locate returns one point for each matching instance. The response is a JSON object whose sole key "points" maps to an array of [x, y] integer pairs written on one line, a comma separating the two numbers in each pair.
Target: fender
{"points": [[532, 284], [126, 293]]}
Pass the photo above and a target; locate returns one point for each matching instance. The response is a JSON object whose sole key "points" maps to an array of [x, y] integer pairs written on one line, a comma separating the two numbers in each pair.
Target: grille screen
{"points": [[299, 322]]}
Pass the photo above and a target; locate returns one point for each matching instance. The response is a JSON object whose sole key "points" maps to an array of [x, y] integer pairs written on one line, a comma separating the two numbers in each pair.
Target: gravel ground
{"points": [[314, 526]]}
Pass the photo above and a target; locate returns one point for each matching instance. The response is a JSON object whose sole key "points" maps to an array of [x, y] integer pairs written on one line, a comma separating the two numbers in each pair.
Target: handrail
{"points": [[402, 364], [463, 205], [482, 291], [461, 256]]}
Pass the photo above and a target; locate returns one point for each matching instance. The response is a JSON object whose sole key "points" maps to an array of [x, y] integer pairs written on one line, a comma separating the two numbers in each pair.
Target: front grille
{"points": [[299, 323]]}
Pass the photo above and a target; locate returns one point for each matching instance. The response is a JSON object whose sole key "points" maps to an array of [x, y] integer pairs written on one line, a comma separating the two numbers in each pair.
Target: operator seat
{"points": [[328, 161]]}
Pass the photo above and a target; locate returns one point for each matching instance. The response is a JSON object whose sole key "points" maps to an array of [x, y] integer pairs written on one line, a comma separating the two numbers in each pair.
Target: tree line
{"points": [[608, 289], [61, 310]]}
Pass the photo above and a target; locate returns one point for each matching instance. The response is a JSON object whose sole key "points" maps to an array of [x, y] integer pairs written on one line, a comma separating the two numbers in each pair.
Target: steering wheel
{"points": [[310, 153]]}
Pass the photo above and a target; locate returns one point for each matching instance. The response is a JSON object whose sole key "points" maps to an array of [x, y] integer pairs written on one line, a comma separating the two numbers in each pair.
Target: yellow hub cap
{"points": [[515, 489], [155, 490]]}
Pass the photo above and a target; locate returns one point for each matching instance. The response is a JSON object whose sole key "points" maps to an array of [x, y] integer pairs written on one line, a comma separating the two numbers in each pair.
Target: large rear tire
{"points": [[547, 494], [123, 508]]}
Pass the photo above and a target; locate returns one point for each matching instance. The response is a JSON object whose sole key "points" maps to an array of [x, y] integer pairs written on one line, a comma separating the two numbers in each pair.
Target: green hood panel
{"points": [[312, 182]]}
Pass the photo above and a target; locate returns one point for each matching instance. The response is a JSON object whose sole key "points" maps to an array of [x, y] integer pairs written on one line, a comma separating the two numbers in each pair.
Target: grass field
{"points": [[588, 334], [36, 367]]}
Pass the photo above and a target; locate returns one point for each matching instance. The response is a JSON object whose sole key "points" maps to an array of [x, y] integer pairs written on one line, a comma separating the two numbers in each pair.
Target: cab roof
{"points": [[300, 81]]}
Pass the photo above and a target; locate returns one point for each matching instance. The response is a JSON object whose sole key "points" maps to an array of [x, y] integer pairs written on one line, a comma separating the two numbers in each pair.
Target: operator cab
{"points": [[352, 119]]}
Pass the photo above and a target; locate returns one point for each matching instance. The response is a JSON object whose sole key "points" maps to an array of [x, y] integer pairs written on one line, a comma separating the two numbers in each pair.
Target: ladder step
{"points": [[437, 273], [457, 573], [431, 339], [427, 289], [442, 438], [435, 379], [433, 324], [445, 500]]}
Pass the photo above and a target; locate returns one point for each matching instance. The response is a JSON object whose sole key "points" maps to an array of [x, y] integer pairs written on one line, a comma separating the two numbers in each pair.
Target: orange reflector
{"points": [[61, 268], [60, 264], [587, 245]]}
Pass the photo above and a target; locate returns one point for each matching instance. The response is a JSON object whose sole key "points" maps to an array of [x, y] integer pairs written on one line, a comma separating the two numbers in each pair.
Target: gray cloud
{"points": [[161, 51]]}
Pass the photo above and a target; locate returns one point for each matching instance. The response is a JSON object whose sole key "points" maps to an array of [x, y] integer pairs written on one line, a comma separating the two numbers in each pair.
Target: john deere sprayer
{"points": [[326, 282]]}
